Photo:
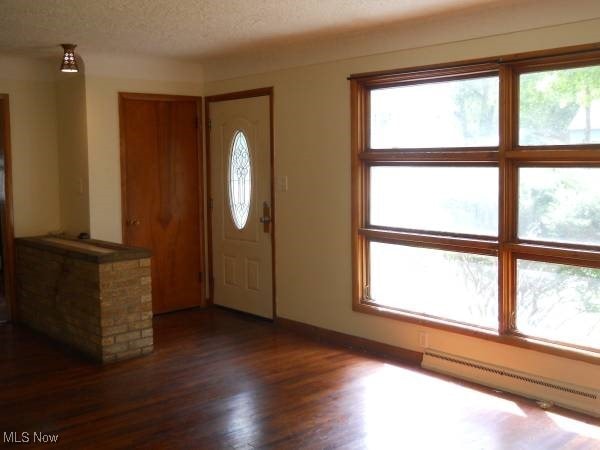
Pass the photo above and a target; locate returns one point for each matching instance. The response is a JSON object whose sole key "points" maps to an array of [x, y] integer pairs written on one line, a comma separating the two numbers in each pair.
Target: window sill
{"points": [[481, 333]]}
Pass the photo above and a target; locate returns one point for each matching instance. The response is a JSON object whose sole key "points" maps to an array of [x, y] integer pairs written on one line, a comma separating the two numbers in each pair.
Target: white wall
{"points": [[73, 153], [33, 126], [313, 228]]}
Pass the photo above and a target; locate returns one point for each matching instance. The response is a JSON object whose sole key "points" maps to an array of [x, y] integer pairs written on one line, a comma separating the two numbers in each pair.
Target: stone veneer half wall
{"points": [[93, 296]]}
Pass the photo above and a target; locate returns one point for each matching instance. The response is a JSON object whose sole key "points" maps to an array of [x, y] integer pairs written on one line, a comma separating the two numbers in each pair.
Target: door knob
{"points": [[133, 222]]}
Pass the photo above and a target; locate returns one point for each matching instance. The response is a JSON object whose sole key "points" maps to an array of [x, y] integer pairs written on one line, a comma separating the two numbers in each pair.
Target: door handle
{"points": [[266, 218], [133, 222]]}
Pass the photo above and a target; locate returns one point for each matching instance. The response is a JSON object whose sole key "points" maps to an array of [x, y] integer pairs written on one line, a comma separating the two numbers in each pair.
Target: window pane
{"points": [[451, 199], [449, 285], [559, 302], [560, 107], [240, 180], [461, 113], [560, 204]]}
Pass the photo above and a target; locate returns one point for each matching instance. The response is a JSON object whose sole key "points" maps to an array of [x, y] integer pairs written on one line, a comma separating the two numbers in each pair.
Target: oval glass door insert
{"points": [[240, 180]]}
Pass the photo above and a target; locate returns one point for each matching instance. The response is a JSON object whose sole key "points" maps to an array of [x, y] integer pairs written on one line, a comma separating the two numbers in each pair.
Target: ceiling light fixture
{"points": [[69, 64]]}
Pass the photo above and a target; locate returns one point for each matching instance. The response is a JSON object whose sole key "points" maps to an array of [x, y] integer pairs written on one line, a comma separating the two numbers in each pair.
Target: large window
{"points": [[476, 194]]}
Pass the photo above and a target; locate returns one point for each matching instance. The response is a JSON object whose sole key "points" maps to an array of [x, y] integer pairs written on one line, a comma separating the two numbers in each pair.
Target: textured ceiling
{"points": [[196, 29]]}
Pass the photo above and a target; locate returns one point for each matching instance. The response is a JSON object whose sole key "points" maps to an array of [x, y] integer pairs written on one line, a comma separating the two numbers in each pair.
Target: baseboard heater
{"points": [[577, 398]]}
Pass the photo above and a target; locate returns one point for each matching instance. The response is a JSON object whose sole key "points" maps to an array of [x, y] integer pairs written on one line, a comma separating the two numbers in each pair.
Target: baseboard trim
{"points": [[352, 342]]}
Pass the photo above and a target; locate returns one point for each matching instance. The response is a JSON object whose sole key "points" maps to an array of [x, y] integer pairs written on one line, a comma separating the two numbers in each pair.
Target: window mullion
{"points": [[507, 201], [451, 243], [424, 156]]}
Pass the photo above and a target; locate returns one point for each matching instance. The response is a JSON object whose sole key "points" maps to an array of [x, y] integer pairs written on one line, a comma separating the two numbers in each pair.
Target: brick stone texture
{"points": [[103, 310]]}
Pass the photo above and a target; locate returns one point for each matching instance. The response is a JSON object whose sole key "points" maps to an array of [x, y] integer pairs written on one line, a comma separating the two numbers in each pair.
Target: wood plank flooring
{"points": [[220, 380]]}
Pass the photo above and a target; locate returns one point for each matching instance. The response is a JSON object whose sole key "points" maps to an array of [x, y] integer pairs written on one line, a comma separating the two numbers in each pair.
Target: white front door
{"points": [[240, 165]]}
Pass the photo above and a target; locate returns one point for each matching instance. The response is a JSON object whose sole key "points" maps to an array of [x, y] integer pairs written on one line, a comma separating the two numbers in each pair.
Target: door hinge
{"points": [[211, 203]]}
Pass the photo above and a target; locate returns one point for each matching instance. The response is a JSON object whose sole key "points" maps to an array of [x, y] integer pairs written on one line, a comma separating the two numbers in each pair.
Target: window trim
{"points": [[508, 157]]}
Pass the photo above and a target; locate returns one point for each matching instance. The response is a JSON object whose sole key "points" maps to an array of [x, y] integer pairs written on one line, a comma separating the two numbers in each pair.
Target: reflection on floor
{"points": [[3, 309], [221, 380]]}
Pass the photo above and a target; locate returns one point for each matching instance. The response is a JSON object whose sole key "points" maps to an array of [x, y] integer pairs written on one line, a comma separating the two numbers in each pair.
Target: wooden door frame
{"points": [[8, 238], [200, 167], [239, 95]]}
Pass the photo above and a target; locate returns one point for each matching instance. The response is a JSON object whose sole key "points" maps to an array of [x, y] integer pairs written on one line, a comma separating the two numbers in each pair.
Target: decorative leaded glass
{"points": [[240, 180]]}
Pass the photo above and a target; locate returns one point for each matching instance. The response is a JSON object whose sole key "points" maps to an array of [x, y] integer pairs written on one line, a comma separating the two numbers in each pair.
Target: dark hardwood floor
{"points": [[221, 380]]}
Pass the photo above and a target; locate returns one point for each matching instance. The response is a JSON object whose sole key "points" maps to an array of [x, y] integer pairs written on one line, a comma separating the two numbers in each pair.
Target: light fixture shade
{"points": [[69, 63]]}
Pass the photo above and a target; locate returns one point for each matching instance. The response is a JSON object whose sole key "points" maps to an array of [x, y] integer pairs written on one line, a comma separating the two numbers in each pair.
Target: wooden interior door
{"points": [[161, 182], [241, 214]]}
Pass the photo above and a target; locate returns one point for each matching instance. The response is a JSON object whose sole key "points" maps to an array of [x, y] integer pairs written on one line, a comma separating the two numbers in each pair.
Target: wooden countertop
{"points": [[87, 249]]}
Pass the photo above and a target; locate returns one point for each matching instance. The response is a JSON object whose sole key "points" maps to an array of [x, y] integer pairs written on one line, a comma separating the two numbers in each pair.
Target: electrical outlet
{"points": [[423, 339]]}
